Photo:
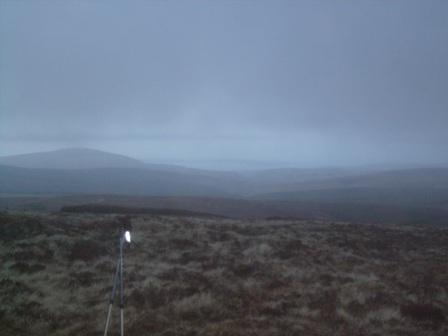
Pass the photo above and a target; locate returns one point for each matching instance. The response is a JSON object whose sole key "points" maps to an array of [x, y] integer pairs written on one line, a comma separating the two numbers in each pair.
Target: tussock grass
{"points": [[209, 276]]}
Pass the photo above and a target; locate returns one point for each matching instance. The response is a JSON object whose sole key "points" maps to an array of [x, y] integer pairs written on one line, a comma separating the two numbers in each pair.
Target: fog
{"points": [[303, 83]]}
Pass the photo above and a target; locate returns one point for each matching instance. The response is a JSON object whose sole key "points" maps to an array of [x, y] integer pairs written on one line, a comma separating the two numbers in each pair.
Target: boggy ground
{"points": [[196, 276]]}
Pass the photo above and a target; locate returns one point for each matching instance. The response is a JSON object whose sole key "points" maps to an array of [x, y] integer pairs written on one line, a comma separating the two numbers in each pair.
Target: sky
{"points": [[304, 83]]}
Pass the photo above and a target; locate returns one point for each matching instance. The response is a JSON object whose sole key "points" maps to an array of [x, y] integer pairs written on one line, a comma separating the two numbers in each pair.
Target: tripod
{"points": [[118, 280]]}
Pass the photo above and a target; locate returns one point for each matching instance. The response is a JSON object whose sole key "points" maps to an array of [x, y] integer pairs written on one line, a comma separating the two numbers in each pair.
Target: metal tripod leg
{"points": [[112, 296], [121, 292]]}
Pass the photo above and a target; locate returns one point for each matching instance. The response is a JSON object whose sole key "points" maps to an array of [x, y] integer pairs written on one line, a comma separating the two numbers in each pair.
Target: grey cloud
{"points": [[320, 82]]}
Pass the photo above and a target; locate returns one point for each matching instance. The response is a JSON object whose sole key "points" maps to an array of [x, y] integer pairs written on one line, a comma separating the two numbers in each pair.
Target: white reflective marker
{"points": [[127, 236]]}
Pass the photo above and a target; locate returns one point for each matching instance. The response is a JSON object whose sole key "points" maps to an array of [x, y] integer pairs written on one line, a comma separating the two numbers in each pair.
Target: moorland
{"points": [[187, 275]]}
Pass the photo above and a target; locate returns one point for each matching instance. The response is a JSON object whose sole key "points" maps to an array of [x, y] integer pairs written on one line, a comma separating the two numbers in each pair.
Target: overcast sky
{"points": [[312, 83]]}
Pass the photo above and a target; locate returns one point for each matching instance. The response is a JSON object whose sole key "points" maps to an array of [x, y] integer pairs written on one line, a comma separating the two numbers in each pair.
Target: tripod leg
{"points": [[122, 325], [121, 293], [112, 297], [108, 319]]}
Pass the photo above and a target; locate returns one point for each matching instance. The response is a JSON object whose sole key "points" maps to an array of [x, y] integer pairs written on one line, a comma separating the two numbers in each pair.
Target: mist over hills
{"points": [[89, 171], [71, 158], [125, 181], [411, 186], [275, 192]]}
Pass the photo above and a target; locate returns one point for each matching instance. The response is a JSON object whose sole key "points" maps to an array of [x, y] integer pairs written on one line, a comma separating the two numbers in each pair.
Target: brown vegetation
{"points": [[204, 276]]}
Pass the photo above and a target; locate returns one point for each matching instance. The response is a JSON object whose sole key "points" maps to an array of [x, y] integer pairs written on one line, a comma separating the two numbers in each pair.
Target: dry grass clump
{"points": [[205, 276], [423, 313], [86, 250]]}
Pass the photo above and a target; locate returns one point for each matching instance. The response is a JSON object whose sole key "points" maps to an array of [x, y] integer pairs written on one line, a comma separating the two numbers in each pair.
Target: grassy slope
{"points": [[191, 276]]}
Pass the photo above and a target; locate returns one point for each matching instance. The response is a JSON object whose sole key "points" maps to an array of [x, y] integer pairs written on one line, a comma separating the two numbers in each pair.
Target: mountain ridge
{"points": [[71, 158], [128, 176]]}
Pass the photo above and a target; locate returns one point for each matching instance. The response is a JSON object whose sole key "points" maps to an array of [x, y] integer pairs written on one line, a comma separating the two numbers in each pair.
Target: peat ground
{"points": [[212, 276]]}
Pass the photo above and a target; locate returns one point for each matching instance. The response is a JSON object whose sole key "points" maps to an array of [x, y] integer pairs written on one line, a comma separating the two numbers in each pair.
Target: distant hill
{"points": [[423, 186], [91, 172], [124, 181], [88, 171], [71, 158]]}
